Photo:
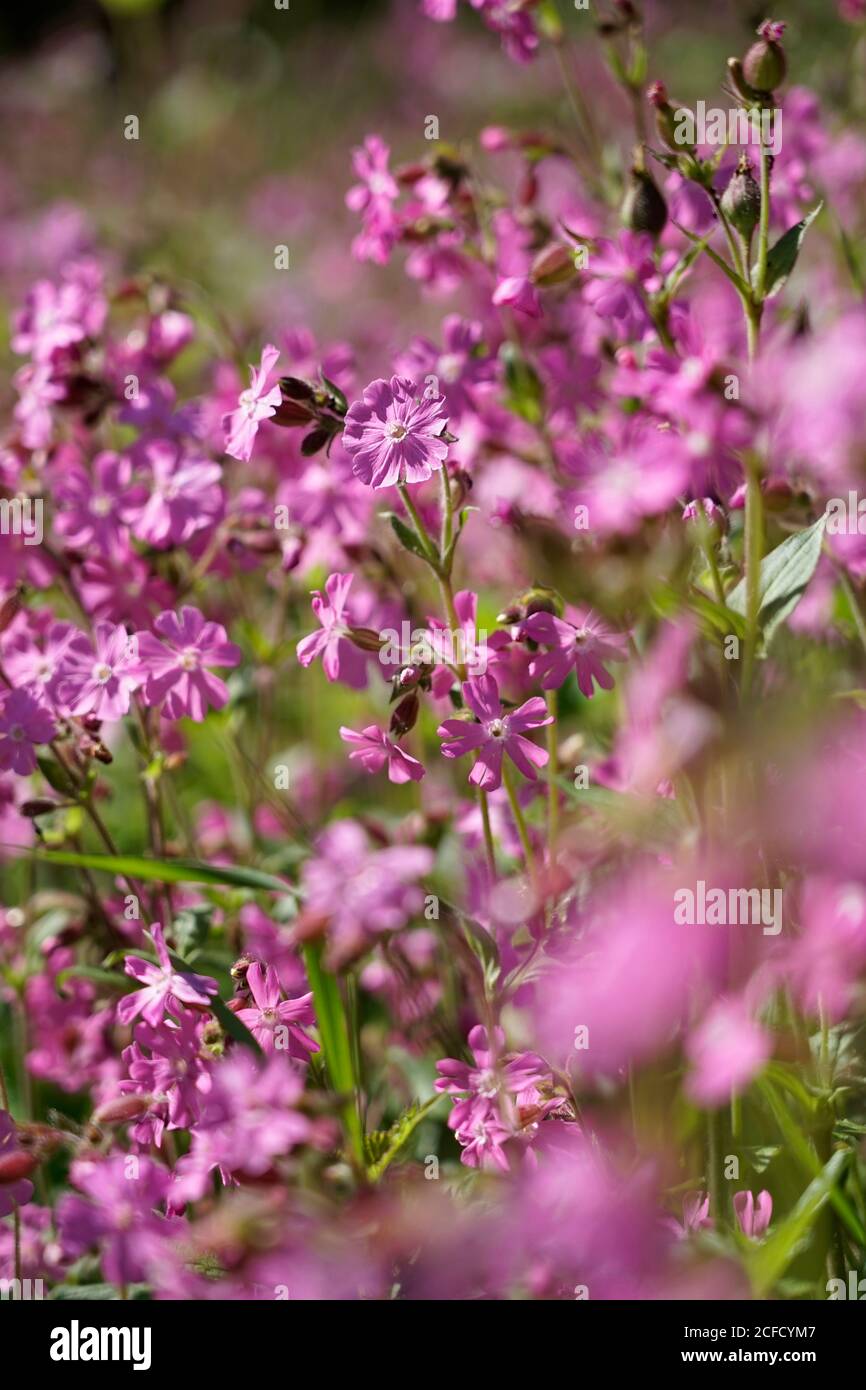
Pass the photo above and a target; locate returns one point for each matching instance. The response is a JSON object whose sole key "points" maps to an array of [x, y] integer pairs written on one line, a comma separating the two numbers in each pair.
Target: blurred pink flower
{"points": [[255, 404]]}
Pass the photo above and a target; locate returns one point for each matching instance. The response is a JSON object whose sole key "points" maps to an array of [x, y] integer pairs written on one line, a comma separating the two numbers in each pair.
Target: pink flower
{"points": [[375, 749], [696, 1215], [123, 1192], [394, 436], [374, 197], [496, 732], [101, 679], [754, 1218], [176, 668], [494, 1093], [727, 1050], [275, 1022], [618, 272], [95, 507], [255, 404], [23, 724], [580, 643], [58, 316], [517, 292], [341, 659], [162, 986], [185, 495]]}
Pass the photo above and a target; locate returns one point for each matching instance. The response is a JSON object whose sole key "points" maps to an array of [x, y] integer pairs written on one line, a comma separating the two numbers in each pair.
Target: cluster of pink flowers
{"points": [[297, 941]]}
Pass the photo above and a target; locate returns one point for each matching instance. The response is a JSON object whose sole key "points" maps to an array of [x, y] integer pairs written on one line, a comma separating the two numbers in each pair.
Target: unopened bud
{"points": [[666, 119], [554, 265], [17, 1165], [644, 208], [765, 65], [122, 1108], [405, 715], [39, 806], [365, 638], [741, 200]]}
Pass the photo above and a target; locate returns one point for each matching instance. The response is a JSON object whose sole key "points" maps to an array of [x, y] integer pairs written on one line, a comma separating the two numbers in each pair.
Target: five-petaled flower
{"points": [[162, 986], [276, 1022], [497, 731], [255, 404], [176, 668]]}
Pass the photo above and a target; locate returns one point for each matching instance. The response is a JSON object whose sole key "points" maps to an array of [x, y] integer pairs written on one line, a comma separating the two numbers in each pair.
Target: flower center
{"points": [[100, 506], [189, 660], [396, 430], [269, 1016], [102, 673], [496, 728], [16, 733]]}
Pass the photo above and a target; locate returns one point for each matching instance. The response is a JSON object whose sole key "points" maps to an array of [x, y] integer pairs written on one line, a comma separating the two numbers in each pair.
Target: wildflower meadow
{"points": [[433, 656]]}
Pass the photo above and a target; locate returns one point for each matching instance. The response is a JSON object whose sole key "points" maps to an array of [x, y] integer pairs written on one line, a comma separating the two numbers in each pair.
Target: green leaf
{"points": [[782, 257], [55, 775], [112, 979], [334, 1032], [103, 1293], [524, 386], [191, 928], [167, 870], [383, 1146], [785, 573], [407, 537], [768, 1261], [732, 275]]}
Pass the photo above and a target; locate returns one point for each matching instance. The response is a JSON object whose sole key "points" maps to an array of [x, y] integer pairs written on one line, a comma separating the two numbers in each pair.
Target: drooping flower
{"points": [[24, 722], [497, 732], [255, 404], [375, 749], [393, 435], [580, 642], [518, 292], [342, 660], [177, 674], [162, 986], [276, 1022]]}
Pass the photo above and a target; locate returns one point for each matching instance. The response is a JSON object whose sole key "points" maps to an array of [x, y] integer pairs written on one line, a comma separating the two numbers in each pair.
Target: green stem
{"points": [[430, 552], [519, 821], [488, 833], [447, 518], [763, 226], [754, 543], [552, 770], [339, 1060]]}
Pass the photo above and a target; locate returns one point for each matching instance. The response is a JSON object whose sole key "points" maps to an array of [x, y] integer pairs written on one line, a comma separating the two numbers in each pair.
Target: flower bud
{"points": [[541, 600], [741, 200], [39, 806], [666, 119], [644, 208], [553, 265], [765, 65], [365, 638], [405, 715], [741, 86], [17, 1165], [122, 1108]]}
